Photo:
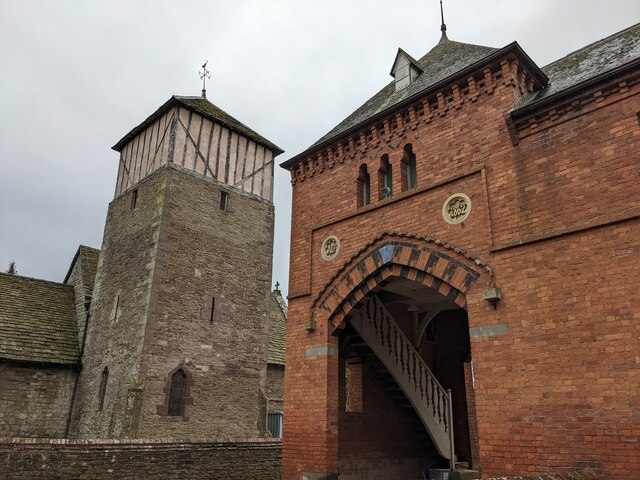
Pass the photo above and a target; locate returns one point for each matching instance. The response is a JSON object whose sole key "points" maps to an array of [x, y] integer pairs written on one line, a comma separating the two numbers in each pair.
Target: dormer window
{"points": [[405, 70]]}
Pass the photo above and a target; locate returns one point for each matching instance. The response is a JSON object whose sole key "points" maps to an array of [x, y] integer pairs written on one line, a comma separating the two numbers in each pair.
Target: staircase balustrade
{"points": [[430, 400]]}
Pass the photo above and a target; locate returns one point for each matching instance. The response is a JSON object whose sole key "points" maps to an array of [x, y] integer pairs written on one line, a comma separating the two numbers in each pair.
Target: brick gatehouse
{"points": [[464, 271]]}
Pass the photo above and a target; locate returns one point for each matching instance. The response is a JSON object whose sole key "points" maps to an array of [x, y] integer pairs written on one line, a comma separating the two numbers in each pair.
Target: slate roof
{"points": [[277, 328], [589, 63], [37, 321], [442, 61], [203, 107], [88, 258]]}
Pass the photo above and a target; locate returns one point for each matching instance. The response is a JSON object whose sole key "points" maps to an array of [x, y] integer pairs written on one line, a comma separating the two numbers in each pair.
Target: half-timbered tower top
{"points": [[193, 133]]}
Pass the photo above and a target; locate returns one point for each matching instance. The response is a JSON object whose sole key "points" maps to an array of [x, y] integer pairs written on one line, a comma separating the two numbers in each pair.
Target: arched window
{"points": [[385, 178], [409, 172], [102, 392], [177, 394], [364, 187]]}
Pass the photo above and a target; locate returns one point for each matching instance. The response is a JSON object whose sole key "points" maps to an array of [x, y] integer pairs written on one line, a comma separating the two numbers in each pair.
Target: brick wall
{"points": [[35, 400], [383, 440], [555, 363], [22, 459]]}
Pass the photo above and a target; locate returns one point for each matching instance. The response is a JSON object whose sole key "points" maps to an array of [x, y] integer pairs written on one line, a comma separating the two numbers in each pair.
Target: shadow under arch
{"points": [[429, 261]]}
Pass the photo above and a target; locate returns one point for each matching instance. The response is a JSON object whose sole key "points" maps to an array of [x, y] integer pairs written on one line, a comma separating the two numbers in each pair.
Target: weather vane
{"points": [[204, 74]]}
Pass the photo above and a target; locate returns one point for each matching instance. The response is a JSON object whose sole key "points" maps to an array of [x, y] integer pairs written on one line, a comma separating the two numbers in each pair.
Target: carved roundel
{"points": [[456, 209], [330, 248]]}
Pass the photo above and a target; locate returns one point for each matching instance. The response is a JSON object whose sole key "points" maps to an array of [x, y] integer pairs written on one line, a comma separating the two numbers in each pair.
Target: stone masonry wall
{"points": [[275, 387], [118, 315], [208, 257], [163, 264], [35, 400], [22, 459], [75, 279]]}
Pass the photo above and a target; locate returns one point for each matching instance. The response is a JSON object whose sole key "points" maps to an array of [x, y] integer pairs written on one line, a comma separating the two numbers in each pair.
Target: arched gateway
{"points": [[395, 309]]}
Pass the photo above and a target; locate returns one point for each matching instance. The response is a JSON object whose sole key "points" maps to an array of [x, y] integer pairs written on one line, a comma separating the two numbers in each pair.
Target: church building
{"points": [[170, 330], [465, 252]]}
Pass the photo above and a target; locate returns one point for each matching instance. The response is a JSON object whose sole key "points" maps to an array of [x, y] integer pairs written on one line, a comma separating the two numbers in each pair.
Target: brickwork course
{"points": [[239, 459], [547, 380]]}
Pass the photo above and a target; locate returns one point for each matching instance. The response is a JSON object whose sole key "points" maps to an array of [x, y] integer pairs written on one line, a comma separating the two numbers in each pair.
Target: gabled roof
{"points": [[208, 110], [37, 321], [442, 61], [277, 328], [412, 61], [88, 258], [588, 65]]}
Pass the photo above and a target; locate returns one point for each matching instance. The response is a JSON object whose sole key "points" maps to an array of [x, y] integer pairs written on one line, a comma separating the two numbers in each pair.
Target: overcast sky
{"points": [[76, 76]]}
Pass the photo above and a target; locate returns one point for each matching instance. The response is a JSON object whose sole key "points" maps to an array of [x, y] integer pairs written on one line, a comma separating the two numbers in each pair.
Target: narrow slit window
{"points": [[102, 392], [116, 309], [364, 187], [177, 394], [224, 201], [213, 310], [134, 198], [409, 173], [385, 178]]}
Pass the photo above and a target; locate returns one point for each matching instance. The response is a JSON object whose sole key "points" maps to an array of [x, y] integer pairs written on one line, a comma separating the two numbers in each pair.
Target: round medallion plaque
{"points": [[456, 209], [330, 248]]}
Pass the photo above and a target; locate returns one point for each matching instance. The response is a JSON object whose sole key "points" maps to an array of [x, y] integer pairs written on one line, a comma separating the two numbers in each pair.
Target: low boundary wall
{"points": [[229, 459]]}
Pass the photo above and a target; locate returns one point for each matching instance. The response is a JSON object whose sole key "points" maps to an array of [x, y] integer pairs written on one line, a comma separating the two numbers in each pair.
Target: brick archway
{"points": [[429, 261]]}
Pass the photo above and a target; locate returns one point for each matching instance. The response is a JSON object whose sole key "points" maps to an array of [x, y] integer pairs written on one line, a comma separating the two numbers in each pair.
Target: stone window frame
{"points": [[163, 410]]}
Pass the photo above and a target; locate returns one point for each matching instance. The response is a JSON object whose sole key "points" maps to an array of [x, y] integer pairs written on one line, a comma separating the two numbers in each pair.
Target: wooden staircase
{"points": [[407, 376]]}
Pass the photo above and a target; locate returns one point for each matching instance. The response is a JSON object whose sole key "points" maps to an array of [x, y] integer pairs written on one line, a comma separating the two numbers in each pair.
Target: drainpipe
{"points": [[87, 304]]}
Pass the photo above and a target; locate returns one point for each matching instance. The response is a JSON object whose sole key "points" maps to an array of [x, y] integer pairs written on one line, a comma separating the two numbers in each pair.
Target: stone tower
{"points": [[176, 342]]}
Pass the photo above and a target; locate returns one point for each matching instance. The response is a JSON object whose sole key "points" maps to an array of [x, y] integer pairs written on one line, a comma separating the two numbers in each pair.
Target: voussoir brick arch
{"points": [[428, 261]]}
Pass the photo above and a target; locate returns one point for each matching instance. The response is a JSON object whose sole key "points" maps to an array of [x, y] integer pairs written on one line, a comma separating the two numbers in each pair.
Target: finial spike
{"points": [[204, 74], [443, 26]]}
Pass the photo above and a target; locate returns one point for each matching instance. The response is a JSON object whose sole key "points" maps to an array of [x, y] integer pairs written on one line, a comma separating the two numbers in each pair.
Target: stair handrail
{"points": [[431, 400]]}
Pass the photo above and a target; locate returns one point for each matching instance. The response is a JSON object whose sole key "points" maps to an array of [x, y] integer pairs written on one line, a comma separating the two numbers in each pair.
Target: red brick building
{"points": [[464, 271]]}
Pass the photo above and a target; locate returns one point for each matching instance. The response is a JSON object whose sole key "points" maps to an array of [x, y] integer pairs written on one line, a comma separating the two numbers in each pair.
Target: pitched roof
{"points": [[277, 328], [588, 63], [37, 321], [411, 60], [88, 258], [203, 107], [442, 61]]}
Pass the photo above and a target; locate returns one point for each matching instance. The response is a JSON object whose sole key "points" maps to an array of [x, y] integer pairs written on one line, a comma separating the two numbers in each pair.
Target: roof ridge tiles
{"points": [[35, 279]]}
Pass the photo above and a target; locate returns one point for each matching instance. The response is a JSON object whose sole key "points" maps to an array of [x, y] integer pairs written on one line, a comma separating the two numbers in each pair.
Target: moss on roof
{"points": [[37, 321], [589, 62], [442, 61], [277, 328], [203, 107]]}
